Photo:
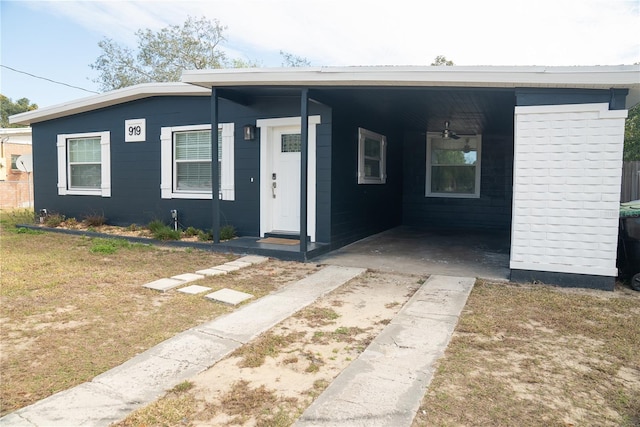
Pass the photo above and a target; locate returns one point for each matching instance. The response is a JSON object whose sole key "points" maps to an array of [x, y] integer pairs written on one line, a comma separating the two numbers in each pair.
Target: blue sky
{"points": [[58, 40]]}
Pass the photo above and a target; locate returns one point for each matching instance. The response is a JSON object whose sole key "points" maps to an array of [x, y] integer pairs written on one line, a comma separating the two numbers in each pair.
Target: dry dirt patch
{"points": [[271, 380]]}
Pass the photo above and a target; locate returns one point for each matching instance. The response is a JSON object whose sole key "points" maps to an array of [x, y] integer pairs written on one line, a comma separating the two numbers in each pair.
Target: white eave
{"points": [[199, 82], [107, 99], [516, 76], [582, 77]]}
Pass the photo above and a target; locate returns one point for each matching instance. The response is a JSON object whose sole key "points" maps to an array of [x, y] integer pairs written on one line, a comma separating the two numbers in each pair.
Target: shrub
{"points": [[167, 233], [94, 220], [205, 235], [161, 231], [71, 222], [191, 231], [227, 232], [53, 220], [156, 225]]}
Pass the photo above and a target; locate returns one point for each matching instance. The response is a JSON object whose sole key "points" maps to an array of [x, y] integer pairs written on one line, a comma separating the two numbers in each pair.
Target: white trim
{"points": [[602, 109], [598, 77], [108, 99], [227, 186], [603, 77], [362, 179], [266, 133], [478, 165], [105, 164]]}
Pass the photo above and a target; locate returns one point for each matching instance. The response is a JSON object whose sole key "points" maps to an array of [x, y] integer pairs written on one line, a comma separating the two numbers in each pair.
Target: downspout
{"points": [[215, 181], [304, 156]]}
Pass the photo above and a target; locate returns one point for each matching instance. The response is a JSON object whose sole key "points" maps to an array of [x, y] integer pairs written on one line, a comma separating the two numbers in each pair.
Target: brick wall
{"points": [[567, 171], [16, 187]]}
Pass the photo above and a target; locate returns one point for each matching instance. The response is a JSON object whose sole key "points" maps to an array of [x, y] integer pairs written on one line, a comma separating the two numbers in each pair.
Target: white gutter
{"points": [[107, 99], [571, 77]]}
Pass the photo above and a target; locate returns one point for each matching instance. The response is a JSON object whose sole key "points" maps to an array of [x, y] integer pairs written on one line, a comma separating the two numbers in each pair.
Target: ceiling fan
{"points": [[448, 133]]}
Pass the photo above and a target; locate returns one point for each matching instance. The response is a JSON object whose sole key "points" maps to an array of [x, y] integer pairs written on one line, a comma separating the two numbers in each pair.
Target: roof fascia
{"points": [[599, 77], [107, 99]]}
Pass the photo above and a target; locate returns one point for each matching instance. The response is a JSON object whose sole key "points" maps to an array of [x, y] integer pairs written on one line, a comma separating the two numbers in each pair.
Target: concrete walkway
{"points": [[385, 385], [113, 395]]}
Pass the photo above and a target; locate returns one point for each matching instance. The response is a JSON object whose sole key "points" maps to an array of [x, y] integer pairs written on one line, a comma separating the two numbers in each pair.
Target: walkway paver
{"points": [[229, 296]]}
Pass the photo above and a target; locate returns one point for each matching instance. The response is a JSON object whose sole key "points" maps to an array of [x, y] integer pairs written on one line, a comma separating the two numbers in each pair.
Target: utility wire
{"points": [[49, 80]]}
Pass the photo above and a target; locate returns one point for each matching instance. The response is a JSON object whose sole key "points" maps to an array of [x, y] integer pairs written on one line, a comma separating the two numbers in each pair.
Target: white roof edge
{"points": [[485, 76], [107, 99], [199, 82]]}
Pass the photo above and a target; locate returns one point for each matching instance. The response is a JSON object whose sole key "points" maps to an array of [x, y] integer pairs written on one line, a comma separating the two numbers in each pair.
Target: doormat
{"points": [[279, 241]]}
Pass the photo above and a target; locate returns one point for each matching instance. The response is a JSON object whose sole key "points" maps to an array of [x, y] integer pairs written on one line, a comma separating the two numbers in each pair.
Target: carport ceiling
{"points": [[469, 110]]}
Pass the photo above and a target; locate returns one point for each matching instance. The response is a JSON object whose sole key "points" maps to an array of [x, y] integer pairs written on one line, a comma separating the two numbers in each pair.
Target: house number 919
{"points": [[135, 130]]}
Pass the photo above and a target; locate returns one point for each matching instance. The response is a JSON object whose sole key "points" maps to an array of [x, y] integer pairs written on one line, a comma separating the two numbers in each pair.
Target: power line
{"points": [[49, 80]]}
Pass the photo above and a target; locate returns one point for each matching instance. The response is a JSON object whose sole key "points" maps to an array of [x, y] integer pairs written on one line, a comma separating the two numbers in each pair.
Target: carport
{"points": [[543, 143], [427, 251]]}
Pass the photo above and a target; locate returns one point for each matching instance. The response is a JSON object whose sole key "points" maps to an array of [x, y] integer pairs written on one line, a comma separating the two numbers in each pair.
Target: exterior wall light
{"points": [[249, 132]]}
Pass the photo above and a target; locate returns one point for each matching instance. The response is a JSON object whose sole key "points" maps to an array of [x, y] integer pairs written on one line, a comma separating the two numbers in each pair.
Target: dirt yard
{"points": [[272, 380], [520, 355]]}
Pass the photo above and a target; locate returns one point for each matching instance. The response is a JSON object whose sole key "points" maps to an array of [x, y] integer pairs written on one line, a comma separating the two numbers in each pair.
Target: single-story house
{"points": [[536, 151]]}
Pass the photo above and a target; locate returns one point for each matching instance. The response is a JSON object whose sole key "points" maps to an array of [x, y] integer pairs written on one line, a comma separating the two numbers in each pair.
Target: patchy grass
{"points": [[69, 313], [317, 316], [533, 356], [269, 344]]}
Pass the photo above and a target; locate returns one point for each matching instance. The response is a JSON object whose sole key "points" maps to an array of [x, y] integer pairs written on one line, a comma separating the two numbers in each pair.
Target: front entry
{"points": [[285, 179], [280, 147]]}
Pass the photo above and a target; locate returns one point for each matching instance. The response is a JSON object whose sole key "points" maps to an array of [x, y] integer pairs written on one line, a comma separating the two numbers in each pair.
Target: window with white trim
{"points": [[84, 164], [186, 162], [372, 153], [453, 166]]}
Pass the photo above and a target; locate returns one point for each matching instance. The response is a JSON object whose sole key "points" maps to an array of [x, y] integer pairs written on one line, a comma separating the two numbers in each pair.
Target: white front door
{"points": [[285, 179], [280, 175]]}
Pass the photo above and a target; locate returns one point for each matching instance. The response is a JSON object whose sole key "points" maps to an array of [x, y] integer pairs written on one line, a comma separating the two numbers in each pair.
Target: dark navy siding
{"points": [[360, 210], [492, 210], [135, 167]]}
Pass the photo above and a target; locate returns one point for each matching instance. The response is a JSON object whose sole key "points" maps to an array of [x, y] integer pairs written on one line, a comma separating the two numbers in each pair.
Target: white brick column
{"points": [[566, 195]]}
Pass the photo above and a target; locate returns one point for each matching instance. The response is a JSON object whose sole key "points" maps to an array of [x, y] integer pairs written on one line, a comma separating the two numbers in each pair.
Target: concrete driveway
{"points": [[466, 253]]}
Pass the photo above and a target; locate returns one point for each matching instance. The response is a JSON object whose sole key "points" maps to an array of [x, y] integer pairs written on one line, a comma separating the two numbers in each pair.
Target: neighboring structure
{"points": [[16, 186], [533, 150]]}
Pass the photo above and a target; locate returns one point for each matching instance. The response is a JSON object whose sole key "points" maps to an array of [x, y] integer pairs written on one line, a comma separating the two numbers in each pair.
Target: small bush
{"points": [[162, 231], [156, 225], [191, 231], [132, 227], [94, 220], [227, 232], [71, 223], [203, 236], [53, 220]]}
